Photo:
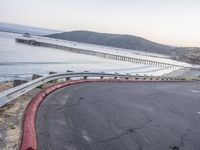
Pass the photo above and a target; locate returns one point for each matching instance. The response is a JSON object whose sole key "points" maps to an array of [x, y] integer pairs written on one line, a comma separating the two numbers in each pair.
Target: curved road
{"points": [[121, 116]]}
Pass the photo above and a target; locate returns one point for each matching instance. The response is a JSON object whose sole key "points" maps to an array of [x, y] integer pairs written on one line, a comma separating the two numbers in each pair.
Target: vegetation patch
{"points": [[12, 126]]}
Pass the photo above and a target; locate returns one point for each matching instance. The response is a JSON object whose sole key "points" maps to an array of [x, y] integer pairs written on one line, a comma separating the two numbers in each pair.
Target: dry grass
{"points": [[11, 116]]}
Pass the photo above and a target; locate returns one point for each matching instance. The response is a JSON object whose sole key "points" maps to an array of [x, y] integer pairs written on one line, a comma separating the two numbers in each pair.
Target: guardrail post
{"points": [[51, 72], [18, 82], [101, 77], [68, 78], [85, 77], [35, 76], [115, 77]]}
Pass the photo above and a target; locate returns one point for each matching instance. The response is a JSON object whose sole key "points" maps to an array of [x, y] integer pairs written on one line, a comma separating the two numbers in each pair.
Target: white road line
{"points": [[194, 91]]}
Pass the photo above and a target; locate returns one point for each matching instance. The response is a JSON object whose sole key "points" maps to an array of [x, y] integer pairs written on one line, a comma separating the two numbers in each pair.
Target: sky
{"points": [[172, 22]]}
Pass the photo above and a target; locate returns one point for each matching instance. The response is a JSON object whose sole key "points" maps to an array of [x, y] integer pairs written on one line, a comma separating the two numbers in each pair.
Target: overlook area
{"points": [[99, 75]]}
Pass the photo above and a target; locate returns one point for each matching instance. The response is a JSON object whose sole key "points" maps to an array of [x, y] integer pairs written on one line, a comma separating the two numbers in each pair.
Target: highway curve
{"points": [[121, 116]]}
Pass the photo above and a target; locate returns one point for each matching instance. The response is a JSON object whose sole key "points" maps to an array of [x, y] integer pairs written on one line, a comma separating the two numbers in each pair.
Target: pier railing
{"points": [[99, 54]]}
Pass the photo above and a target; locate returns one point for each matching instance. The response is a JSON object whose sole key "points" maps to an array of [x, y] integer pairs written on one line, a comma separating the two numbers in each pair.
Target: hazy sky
{"points": [[174, 22]]}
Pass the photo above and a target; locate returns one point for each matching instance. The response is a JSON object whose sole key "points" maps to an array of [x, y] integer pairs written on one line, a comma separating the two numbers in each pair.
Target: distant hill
{"points": [[8, 27], [187, 54], [114, 40]]}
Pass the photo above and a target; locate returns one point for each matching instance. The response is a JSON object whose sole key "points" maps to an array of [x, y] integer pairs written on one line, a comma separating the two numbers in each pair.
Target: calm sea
{"points": [[18, 61]]}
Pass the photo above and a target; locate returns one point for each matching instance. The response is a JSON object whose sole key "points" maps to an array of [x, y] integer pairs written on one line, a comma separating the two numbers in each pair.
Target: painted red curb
{"points": [[29, 139]]}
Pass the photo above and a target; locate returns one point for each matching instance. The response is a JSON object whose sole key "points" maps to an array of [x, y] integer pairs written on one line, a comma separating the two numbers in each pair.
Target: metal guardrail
{"points": [[10, 94]]}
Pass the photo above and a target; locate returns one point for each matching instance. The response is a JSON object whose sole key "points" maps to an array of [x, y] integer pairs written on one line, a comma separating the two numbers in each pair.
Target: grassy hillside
{"points": [[114, 40], [191, 55]]}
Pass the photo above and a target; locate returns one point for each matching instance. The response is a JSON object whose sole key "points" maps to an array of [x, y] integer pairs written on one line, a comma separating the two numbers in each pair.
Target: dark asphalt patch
{"points": [[121, 116]]}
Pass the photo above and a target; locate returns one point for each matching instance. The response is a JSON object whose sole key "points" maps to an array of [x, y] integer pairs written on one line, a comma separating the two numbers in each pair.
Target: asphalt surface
{"points": [[121, 116]]}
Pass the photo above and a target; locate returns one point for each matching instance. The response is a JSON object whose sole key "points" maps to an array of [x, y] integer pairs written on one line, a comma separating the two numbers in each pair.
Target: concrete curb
{"points": [[29, 139]]}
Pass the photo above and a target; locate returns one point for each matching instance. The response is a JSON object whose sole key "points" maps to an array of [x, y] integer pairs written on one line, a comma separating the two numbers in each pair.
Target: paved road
{"points": [[121, 116]]}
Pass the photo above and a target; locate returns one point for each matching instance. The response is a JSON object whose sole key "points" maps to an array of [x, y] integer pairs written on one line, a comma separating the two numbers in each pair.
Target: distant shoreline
{"points": [[10, 31]]}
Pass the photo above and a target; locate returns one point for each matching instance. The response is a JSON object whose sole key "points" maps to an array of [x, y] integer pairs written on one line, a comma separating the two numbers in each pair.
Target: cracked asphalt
{"points": [[121, 116]]}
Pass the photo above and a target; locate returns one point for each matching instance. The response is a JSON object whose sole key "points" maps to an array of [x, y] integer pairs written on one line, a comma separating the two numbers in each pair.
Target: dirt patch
{"points": [[11, 116], [5, 86]]}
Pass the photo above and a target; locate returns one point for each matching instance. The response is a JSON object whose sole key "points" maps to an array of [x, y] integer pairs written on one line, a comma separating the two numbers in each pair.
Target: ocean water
{"points": [[19, 61]]}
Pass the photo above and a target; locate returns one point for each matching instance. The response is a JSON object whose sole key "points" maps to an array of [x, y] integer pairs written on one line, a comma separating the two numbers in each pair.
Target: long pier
{"points": [[100, 54]]}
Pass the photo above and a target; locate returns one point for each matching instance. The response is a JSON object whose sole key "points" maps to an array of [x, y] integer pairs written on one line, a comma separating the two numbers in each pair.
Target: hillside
{"points": [[114, 40], [187, 54]]}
